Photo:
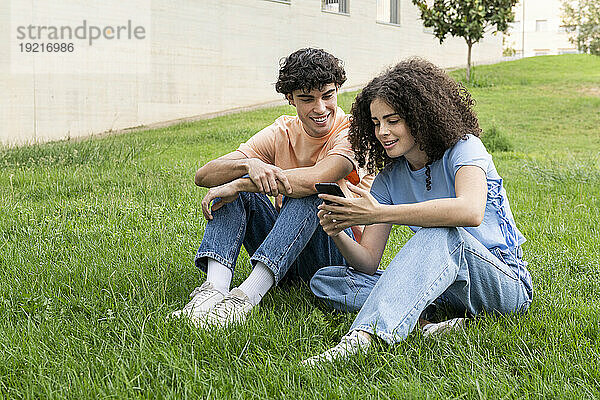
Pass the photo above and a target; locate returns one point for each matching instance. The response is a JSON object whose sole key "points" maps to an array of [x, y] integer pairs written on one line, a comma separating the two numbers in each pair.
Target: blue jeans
{"points": [[291, 240], [441, 265]]}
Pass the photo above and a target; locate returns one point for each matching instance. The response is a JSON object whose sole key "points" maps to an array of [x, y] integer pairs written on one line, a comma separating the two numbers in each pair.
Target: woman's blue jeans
{"points": [[441, 265], [289, 241]]}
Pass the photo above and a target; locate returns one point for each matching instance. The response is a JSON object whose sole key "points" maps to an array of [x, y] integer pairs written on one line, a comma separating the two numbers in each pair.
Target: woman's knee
{"points": [[437, 238], [342, 288], [437, 233], [327, 281]]}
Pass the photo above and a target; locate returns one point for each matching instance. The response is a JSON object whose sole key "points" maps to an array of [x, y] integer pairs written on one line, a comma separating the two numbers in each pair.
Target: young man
{"points": [[286, 158]]}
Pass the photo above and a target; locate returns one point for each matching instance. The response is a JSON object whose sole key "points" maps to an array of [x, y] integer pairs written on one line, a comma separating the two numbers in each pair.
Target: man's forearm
{"points": [[220, 171], [300, 188], [302, 180]]}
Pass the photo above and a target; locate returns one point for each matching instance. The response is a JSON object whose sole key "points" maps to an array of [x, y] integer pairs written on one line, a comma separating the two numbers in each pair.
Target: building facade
{"points": [[538, 30], [210, 56]]}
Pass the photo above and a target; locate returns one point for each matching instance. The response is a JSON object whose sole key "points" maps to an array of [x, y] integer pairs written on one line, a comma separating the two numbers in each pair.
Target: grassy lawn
{"points": [[97, 239]]}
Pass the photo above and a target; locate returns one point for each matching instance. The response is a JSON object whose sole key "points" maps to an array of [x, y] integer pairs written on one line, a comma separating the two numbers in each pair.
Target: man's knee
{"points": [[245, 201], [308, 202], [300, 209]]}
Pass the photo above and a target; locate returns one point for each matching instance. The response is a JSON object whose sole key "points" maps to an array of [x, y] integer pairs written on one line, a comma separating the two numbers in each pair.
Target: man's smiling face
{"points": [[316, 109]]}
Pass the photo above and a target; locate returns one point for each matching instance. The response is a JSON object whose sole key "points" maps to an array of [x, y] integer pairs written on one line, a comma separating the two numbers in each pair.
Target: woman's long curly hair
{"points": [[437, 110]]}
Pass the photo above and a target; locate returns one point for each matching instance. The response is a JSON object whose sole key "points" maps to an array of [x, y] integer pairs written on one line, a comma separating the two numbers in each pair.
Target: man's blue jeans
{"points": [[291, 240], [443, 265]]}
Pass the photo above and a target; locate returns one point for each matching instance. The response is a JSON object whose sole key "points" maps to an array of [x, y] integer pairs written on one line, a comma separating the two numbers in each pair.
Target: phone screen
{"points": [[329, 188]]}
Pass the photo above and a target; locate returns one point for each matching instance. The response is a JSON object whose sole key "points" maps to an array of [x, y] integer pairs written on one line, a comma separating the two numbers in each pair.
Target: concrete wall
{"points": [[539, 38], [208, 56]]}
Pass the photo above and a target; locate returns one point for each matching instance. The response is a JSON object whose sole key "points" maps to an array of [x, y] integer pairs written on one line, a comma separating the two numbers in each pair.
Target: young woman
{"points": [[416, 127]]}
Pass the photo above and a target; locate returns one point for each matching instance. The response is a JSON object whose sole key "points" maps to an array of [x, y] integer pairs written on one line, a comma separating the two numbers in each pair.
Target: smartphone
{"points": [[329, 188]]}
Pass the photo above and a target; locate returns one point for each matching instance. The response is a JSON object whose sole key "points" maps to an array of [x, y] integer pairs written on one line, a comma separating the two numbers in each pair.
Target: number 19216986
{"points": [[46, 47]]}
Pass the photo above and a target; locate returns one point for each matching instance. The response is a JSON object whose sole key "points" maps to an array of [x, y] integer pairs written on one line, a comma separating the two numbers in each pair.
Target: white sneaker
{"points": [[203, 299], [454, 324], [350, 344], [232, 309]]}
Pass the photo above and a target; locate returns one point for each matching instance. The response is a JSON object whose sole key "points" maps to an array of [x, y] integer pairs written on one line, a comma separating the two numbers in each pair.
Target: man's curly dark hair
{"points": [[308, 69], [437, 110]]}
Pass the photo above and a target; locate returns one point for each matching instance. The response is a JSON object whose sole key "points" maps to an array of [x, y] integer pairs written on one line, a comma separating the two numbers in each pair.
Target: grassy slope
{"points": [[97, 238]]}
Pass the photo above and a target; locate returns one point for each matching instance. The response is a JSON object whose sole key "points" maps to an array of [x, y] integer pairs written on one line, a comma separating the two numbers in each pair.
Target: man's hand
{"points": [[265, 177], [278, 202], [347, 212], [221, 195]]}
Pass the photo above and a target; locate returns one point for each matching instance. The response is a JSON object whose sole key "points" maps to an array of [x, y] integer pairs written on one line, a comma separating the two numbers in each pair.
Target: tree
{"points": [[468, 19], [583, 19]]}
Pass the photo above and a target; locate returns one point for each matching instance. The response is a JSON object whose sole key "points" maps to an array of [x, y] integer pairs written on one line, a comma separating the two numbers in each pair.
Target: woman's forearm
{"points": [[357, 256], [433, 213]]}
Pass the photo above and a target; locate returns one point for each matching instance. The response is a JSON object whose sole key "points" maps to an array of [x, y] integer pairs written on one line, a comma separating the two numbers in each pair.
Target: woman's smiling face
{"points": [[394, 135]]}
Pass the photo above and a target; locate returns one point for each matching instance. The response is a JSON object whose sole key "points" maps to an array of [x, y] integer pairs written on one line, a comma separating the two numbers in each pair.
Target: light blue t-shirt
{"points": [[398, 184]]}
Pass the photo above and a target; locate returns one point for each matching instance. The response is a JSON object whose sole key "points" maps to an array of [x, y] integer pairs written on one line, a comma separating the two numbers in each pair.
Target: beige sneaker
{"points": [[204, 298], [350, 344], [454, 324], [233, 309]]}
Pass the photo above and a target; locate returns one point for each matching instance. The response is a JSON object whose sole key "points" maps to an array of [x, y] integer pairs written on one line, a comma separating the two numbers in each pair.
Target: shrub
{"points": [[495, 141]]}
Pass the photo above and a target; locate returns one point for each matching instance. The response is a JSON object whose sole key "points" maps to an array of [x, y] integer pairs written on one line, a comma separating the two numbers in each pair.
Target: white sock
{"points": [[258, 283], [219, 275]]}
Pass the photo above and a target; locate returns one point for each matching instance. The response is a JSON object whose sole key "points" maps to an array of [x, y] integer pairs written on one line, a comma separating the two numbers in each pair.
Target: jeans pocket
{"points": [[349, 281], [503, 265]]}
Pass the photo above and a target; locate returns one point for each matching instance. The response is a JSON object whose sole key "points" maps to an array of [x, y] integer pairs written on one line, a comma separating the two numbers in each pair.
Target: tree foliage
{"points": [[584, 17], [469, 19]]}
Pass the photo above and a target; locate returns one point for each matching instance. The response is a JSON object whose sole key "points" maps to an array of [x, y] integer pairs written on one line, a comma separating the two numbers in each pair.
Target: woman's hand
{"points": [[346, 212], [222, 194], [327, 224]]}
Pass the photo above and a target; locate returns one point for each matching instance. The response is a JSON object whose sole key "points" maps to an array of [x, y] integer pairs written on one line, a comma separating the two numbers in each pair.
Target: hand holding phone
{"points": [[329, 188]]}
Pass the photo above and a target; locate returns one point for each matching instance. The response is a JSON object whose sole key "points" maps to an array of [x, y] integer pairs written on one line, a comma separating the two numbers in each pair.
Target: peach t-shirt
{"points": [[286, 145]]}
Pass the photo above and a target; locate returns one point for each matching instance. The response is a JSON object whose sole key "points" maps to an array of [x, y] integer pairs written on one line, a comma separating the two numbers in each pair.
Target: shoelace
{"points": [[442, 327], [227, 305], [195, 291], [204, 294], [346, 344]]}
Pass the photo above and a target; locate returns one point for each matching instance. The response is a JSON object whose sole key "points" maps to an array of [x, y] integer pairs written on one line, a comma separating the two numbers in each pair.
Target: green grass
{"points": [[97, 239]]}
